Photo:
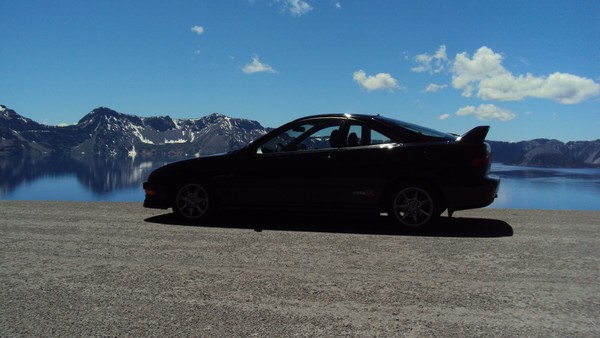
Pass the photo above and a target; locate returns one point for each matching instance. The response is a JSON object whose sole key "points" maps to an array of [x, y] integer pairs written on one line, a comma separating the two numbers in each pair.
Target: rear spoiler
{"points": [[475, 135]]}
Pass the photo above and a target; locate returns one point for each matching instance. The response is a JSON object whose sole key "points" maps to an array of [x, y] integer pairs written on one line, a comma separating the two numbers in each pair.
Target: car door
{"points": [[365, 165], [290, 169]]}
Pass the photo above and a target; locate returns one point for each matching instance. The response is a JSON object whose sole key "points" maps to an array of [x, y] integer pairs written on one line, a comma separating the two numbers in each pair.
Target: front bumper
{"points": [[156, 196], [472, 195]]}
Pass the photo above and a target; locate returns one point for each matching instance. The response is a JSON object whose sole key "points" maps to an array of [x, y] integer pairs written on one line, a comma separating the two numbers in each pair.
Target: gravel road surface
{"points": [[117, 269]]}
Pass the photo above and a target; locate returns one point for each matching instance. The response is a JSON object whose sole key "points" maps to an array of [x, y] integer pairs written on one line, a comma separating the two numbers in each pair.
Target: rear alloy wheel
{"points": [[413, 207], [192, 202]]}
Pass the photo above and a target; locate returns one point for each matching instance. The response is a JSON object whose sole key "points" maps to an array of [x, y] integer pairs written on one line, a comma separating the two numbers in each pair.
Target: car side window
{"points": [[379, 138], [361, 135], [314, 135]]}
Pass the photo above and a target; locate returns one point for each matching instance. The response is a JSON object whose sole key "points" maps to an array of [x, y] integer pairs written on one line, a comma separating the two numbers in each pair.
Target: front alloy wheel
{"points": [[413, 207], [192, 201]]}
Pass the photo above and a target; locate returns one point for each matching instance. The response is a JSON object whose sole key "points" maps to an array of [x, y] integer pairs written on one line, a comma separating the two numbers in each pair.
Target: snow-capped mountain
{"points": [[106, 132]]}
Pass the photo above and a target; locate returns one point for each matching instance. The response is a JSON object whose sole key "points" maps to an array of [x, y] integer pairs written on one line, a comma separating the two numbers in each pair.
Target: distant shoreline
{"points": [[103, 204]]}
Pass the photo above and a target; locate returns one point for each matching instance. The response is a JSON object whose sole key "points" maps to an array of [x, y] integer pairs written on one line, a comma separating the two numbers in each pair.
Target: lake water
{"points": [[543, 188], [67, 179]]}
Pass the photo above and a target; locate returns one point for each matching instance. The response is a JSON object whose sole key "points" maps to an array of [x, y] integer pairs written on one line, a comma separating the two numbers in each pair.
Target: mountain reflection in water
{"points": [[110, 179], [68, 178]]}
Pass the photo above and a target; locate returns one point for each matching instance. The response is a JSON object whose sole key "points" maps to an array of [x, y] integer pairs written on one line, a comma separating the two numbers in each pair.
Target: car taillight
{"points": [[482, 163]]}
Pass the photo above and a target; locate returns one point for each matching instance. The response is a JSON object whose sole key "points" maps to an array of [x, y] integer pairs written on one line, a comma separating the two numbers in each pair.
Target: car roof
{"points": [[398, 125], [339, 115]]}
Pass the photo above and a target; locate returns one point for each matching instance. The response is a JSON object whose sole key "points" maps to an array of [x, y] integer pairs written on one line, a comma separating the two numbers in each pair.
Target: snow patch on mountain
{"points": [[137, 131], [175, 141]]}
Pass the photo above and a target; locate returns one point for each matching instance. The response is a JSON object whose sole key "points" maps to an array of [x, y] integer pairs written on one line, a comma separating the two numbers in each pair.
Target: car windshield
{"points": [[310, 135], [417, 129]]}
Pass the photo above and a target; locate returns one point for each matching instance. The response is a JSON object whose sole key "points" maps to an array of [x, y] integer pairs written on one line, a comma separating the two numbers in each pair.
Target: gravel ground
{"points": [[117, 269]]}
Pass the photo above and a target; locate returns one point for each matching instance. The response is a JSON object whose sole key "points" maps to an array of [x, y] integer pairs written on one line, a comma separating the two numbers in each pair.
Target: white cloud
{"points": [[468, 72], [443, 116], [435, 63], [562, 87], [487, 112], [337, 4], [257, 67], [433, 87], [198, 30], [378, 82], [297, 7], [485, 74]]}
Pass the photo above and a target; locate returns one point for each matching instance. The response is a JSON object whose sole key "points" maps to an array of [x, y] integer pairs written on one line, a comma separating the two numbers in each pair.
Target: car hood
{"points": [[192, 166]]}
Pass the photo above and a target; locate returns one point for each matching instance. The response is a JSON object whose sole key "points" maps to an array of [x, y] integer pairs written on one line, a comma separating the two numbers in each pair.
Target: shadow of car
{"points": [[345, 224]]}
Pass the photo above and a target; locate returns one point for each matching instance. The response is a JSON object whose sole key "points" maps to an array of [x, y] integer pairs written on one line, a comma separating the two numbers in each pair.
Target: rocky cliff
{"points": [[547, 153]]}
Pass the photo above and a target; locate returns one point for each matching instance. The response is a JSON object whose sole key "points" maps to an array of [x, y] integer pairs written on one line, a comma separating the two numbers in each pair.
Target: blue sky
{"points": [[530, 69]]}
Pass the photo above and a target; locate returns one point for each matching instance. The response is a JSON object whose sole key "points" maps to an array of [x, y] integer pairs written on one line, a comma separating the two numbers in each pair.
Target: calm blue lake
{"points": [[543, 188], [121, 181]]}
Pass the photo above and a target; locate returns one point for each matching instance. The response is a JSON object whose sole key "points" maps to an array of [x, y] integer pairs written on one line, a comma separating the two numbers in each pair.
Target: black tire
{"points": [[193, 201], [414, 206]]}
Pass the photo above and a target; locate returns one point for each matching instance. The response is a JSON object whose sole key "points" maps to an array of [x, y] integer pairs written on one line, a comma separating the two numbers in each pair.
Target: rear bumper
{"points": [[473, 195], [156, 196]]}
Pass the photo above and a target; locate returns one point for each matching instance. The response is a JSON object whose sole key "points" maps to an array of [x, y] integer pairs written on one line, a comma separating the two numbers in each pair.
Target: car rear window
{"points": [[424, 131]]}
